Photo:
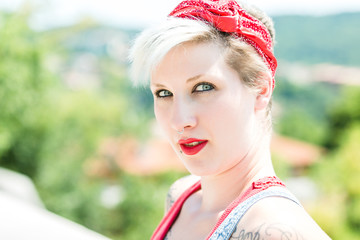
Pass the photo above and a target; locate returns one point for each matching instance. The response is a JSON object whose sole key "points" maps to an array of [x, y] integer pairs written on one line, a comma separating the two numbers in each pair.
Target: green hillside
{"points": [[333, 38]]}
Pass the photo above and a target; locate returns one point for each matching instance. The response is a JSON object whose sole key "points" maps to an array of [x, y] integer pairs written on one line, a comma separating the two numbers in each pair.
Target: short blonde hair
{"points": [[154, 43]]}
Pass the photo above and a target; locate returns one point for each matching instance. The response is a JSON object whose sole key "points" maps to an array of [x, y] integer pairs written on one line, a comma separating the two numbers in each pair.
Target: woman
{"points": [[211, 69]]}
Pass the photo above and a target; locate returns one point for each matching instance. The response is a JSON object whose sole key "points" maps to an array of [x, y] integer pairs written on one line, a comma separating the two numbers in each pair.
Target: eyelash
{"points": [[157, 93], [203, 83]]}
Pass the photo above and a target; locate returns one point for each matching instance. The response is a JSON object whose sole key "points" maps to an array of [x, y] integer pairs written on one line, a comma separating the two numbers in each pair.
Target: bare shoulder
{"points": [[276, 218], [179, 187]]}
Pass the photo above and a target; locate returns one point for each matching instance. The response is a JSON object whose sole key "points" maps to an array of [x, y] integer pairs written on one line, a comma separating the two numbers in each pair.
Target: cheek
{"points": [[224, 108], [161, 116], [231, 118]]}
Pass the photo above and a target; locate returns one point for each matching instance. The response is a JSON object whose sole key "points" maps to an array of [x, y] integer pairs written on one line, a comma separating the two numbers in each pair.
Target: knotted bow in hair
{"points": [[228, 16]]}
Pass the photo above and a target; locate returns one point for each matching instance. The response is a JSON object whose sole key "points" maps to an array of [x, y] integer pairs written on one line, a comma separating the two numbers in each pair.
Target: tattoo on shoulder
{"points": [[266, 231], [168, 235], [170, 198]]}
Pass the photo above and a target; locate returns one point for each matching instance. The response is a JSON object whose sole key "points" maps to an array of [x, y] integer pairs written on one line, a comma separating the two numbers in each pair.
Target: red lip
{"points": [[192, 150]]}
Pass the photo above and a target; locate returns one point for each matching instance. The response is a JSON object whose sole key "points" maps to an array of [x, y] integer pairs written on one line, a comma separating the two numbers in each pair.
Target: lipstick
{"points": [[192, 146]]}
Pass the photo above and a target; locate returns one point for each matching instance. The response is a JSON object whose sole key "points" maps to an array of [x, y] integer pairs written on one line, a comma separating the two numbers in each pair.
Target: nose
{"points": [[183, 115]]}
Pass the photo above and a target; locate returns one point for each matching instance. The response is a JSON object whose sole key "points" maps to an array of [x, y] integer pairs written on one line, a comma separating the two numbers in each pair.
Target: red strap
{"points": [[165, 224]]}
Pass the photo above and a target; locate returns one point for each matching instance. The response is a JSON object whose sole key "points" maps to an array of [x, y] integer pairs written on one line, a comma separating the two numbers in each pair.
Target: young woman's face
{"points": [[195, 90]]}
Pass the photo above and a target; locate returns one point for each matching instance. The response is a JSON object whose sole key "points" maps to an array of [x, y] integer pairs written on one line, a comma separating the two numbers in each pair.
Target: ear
{"points": [[264, 96]]}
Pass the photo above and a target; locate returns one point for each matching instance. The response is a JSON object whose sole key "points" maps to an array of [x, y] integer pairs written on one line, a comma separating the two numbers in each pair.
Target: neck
{"points": [[218, 191]]}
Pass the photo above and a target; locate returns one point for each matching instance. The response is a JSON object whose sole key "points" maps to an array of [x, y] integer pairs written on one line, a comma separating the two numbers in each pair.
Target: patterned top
{"points": [[265, 187]]}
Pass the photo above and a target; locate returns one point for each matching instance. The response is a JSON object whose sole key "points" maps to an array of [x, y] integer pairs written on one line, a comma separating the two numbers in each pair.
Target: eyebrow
{"points": [[187, 81], [194, 78]]}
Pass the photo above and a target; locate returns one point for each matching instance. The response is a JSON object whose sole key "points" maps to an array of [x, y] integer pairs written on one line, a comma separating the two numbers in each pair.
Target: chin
{"points": [[201, 170]]}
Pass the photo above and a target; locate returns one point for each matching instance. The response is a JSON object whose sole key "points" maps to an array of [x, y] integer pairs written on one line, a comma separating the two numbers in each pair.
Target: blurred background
{"points": [[73, 126]]}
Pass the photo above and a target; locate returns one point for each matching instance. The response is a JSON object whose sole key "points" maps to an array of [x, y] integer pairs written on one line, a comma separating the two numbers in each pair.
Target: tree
{"points": [[23, 91]]}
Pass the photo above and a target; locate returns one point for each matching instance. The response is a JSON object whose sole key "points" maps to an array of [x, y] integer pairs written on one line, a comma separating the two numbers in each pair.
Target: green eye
{"points": [[163, 93], [203, 87]]}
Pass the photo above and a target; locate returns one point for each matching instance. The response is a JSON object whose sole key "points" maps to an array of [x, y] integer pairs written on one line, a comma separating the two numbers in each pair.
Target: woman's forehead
{"points": [[195, 57]]}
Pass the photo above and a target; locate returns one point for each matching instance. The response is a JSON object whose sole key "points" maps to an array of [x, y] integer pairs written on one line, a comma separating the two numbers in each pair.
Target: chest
{"points": [[193, 224], [191, 227]]}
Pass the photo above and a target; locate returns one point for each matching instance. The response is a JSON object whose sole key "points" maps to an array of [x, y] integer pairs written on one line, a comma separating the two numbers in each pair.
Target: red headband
{"points": [[228, 16]]}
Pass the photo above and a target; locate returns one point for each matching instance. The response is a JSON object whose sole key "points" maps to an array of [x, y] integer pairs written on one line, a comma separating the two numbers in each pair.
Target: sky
{"points": [[142, 13]]}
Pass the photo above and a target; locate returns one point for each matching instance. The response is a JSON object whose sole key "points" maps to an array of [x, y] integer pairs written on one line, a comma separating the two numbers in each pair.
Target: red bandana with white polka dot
{"points": [[228, 16]]}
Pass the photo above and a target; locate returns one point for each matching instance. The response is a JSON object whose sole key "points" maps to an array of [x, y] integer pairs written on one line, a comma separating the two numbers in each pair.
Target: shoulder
{"points": [[178, 188], [276, 218]]}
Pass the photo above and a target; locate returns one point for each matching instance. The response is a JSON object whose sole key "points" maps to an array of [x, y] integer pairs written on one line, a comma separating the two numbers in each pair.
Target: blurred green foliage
{"points": [[51, 132], [304, 110], [23, 94], [345, 113], [338, 173]]}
